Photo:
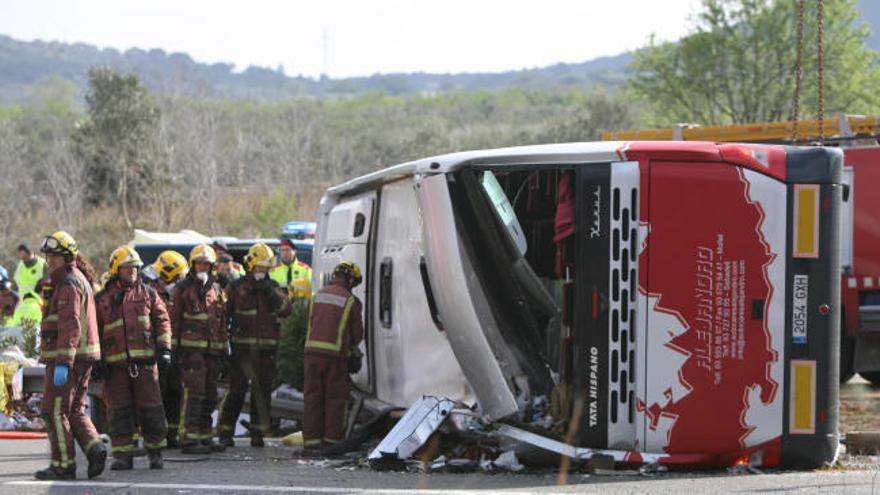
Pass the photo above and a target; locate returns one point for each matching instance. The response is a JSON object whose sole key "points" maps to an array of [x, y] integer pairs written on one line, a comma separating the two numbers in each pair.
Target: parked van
{"points": [[686, 291]]}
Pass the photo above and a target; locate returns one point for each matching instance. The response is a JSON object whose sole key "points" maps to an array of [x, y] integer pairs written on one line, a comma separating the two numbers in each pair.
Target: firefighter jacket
{"points": [[157, 286], [255, 308], [198, 316], [286, 274], [132, 323], [335, 322], [69, 329]]}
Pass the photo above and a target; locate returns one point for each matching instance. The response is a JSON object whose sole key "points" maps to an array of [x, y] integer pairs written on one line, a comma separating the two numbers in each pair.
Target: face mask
{"points": [[203, 277], [259, 275]]}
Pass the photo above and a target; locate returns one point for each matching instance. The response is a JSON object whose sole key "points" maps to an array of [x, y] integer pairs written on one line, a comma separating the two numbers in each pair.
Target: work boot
{"points": [[226, 441], [214, 446], [55, 473], [122, 463], [194, 448], [97, 457], [257, 440], [156, 461], [171, 439]]}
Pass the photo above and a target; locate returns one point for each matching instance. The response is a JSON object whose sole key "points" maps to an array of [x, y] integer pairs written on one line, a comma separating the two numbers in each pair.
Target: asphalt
{"points": [[278, 469], [274, 470]]}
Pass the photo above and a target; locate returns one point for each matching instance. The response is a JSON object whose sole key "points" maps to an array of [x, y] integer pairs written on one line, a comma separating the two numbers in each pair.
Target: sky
{"points": [[347, 38]]}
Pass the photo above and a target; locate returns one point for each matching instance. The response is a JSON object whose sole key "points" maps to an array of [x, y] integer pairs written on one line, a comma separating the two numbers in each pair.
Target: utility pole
{"points": [[325, 38]]}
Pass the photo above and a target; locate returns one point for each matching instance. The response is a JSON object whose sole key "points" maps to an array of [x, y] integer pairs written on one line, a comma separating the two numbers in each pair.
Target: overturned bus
{"points": [[686, 292]]}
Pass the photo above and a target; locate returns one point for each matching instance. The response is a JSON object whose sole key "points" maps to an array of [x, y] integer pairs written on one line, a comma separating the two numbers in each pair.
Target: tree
{"points": [[738, 64], [120, 141]]}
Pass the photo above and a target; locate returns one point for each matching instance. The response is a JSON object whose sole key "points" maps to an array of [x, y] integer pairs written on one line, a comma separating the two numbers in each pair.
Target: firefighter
{"points": [[170, 268], [135, 333], [198, 322], [335, 326], [254, 303], [220, 248], [69, 347], [293, 275]]}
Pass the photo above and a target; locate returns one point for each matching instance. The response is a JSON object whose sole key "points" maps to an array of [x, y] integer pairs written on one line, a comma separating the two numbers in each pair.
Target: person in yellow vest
{"points": [[28, 311], [291, 272], [30, 270]]}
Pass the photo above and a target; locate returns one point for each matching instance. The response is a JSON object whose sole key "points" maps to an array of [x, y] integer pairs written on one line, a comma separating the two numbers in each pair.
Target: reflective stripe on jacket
{"points": [[198, 315], [69, 329], [132, 322], [255, 314], [335, 322]]}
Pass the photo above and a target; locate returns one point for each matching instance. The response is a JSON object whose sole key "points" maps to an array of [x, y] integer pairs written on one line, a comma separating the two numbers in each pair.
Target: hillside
{"points": [[24, 63]]}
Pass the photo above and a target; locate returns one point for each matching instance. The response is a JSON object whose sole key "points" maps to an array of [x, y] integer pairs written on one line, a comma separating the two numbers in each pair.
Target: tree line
{"points": [[131, 158]]}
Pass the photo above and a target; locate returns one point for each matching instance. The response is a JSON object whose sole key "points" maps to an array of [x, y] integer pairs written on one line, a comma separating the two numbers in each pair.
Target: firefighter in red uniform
{"points": [[69, 347], [135, 335], [255, 303], [169, 269], [198, 322], [335, 326]]}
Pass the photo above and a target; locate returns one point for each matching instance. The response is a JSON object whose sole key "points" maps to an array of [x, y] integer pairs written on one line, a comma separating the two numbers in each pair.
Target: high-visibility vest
{"points": [[287, 275], [27, 277], [28, 309]]}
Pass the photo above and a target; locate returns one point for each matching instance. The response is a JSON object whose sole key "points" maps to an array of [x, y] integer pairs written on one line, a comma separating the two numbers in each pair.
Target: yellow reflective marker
{"points": [[806, 221], [803, 397]]}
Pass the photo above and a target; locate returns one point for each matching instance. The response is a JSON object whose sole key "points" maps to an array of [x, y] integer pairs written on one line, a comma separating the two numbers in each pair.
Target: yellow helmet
{"points": [[349, 270], [60, 243], [202, 252], [259, 255], [170, 265], [122, 256]]}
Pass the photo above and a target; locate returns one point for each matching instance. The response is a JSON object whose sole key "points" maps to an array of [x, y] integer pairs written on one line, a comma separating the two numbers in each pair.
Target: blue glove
{"points": [[61, 374]]}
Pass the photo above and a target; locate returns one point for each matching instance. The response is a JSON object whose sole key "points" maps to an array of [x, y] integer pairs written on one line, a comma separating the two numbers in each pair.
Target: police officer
{"points": [[135, 335], [291, 273], [29, 271], [69, 347], [198, 322], [255, 303], [335, 326]]}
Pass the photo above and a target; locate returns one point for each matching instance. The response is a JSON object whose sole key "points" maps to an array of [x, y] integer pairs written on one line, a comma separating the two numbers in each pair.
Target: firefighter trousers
{"points": [[63, 410], [169, 382], [134, 400], [252, 367], [199, 372], [326, 392]]}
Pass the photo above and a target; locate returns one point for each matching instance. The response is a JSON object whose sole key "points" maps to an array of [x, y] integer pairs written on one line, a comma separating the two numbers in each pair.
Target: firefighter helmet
{"points": [[202, 252], [259, 255], [124, 256], [170, 265], [350, 271], [60, 243]]}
